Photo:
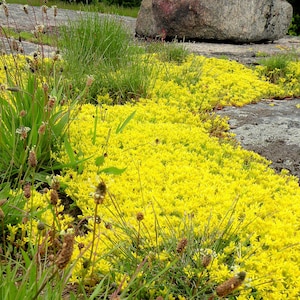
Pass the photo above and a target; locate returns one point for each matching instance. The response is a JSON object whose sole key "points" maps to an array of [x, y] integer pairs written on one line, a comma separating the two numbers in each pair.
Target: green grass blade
{"points": [[122, 126]]}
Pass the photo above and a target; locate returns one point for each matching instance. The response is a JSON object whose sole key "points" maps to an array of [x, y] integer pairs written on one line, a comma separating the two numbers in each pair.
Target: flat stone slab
{"points": [[271, 128], [246, 53]]}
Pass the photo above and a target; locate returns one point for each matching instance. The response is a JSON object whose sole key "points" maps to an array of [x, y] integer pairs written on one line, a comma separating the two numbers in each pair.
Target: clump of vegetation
{"points": [[35, 116], [168, 52], [282, 70], [276, 66], [125, 3], [294, 28], [104, 48]]}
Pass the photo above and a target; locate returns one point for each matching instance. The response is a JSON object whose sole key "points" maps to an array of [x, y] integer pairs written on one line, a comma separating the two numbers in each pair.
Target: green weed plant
{"points": [[35, 116], [276, 66]]}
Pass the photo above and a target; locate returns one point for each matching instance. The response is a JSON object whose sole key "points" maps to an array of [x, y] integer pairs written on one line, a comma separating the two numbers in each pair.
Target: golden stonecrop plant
{"points": [[189, 216], [176, 175]]}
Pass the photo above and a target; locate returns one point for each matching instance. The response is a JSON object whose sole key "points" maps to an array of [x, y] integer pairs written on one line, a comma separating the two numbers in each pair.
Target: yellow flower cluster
{"points": [[175, 171], [203, 83], [241, 211]]}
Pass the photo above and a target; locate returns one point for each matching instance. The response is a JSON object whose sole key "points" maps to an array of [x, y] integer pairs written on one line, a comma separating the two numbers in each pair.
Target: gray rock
{"points": [[221, 20], [271, 129]]}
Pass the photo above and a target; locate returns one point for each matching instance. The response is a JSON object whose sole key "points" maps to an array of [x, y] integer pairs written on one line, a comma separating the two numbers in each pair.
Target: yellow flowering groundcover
{"points": [[176, 172], [180, 182]]}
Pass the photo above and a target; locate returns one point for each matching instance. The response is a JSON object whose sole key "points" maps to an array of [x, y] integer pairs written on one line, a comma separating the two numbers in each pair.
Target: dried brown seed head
{"points": [[98, 220], [44, 9], [14, 45], [53, 197], [22, 113], [51, 102], [5, 8], [108, 225], [54, 10], [27, 190], [51, 257], [22, 131], [25, 8], [230, 285], [42, 128], [45, 87], [66, 251], [32, 161], [206, 260], [55, 185], [89, 81], [41, 226], [181, 245], [140, 216], [80, 246], [100, 193], [25, 219]]}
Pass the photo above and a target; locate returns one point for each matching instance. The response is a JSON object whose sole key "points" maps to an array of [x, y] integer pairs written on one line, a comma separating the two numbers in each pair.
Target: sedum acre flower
{"points": [[180, 179]]}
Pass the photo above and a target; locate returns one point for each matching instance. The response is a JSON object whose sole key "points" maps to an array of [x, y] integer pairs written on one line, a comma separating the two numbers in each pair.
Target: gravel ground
{"points": [[17, 19], [270, 128]]}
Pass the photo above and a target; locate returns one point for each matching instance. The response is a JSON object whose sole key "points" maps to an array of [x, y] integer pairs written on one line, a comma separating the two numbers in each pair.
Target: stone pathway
{"points": [[20, 19], [17, 17], [246, 53]]}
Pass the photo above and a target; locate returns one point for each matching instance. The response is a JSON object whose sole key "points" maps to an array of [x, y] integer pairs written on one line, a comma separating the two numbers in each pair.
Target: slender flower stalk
{"points": [[99, 196]]}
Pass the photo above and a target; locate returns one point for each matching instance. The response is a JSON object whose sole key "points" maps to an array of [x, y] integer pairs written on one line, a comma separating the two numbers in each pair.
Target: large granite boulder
{"points": [[238, 21]]}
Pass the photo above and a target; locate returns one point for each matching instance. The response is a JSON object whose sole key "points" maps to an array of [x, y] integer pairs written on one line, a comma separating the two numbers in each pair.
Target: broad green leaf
{"points": [[99, 161], [112, 171], [4, 193]]}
